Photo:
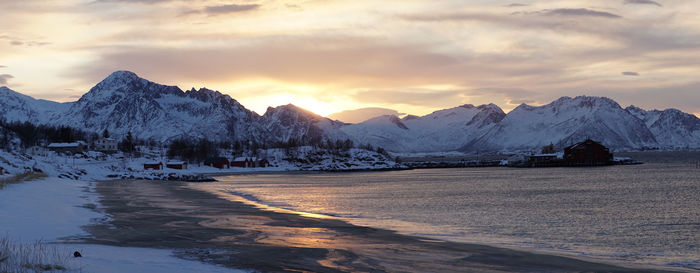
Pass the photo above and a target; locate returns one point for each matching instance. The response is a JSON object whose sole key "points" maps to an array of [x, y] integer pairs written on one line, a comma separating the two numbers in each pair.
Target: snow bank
{"points": [[54, 209]]}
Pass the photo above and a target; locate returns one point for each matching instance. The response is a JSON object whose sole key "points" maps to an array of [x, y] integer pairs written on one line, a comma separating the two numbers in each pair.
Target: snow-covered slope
{"points": [[672, 128], [563, 122], [18, 107], [124, 102], [443, 130], [287, 122]]}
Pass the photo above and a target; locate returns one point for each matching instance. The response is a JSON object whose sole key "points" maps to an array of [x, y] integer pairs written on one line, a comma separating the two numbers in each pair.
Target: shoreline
{"points": [[202, 226]]}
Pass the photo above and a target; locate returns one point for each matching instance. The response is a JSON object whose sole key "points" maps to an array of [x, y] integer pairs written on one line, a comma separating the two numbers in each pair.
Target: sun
{"points": [[313, 105], [260, 104]]}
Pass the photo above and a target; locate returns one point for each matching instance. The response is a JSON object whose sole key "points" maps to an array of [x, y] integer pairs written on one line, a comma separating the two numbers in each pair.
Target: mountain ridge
{"points": [[124, 102]]}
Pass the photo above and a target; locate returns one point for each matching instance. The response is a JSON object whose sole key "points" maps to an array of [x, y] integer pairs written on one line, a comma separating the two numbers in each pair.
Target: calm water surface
{"points": [[646, 214]]}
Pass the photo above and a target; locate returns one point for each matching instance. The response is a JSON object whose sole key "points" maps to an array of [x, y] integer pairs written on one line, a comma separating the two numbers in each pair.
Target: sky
{"points": [[327, 56]]}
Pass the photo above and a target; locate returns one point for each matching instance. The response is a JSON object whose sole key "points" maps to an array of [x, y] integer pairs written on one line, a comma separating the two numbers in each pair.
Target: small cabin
{"points": [[153, 166], [217, 162], [263, 163], [67, 148], [250, 162], [176, 165], [587, 153], [241, 162]]}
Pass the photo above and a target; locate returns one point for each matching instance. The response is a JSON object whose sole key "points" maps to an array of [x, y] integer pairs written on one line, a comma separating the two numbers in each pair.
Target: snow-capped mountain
{"points": [[672, 128], [18, 107], [287, 122], [124, 102], [443, 130], [564, 122]]}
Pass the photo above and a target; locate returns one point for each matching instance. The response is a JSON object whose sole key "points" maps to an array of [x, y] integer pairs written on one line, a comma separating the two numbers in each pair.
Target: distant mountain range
{"points": [[124, 102]]}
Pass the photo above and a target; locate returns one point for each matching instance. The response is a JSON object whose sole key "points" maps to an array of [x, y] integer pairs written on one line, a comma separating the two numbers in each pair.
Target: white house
{"points": [[106, 145]]}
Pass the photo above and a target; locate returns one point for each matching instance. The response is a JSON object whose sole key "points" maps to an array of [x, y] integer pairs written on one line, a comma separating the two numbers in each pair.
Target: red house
{"points": [[217, 162], [241, 162], [587, 153], [249, 162], [177, 165], [153, 166], [263, 163]]}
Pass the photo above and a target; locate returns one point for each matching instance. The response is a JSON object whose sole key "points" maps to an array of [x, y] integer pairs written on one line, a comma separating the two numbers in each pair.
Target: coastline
{"points": [[202, 226]]}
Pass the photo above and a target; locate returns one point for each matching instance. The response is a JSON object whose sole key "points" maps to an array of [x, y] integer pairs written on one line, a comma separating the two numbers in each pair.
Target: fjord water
{"points": [[642, 214]]}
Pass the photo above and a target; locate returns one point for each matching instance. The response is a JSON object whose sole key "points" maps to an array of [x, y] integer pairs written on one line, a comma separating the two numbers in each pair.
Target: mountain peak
{"points": [[491, 107], [290, 108], [6, 90], [119, 79], [122, 74], [126, 83], [586, 101]]}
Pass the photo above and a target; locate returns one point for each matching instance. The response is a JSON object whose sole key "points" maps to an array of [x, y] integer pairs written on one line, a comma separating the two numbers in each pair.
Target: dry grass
{"points": [[29, 258], [20, 178]]}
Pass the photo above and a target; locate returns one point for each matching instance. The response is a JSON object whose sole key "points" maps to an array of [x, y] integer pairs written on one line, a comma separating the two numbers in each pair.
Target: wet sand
{"points": [[201, 226]]}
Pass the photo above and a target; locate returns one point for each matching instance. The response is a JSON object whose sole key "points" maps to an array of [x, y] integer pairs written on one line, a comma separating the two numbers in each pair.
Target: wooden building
{"points": [[241, 162], [250, 162], [263, 163], [67, 148], [153, 166], [106, 145], [217, 162], [177, 165], [587, 153]]}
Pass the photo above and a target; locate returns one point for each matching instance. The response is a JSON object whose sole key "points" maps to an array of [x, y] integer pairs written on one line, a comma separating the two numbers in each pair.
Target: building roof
{"points": [[65, 145], [584, 143], [175, 163]]}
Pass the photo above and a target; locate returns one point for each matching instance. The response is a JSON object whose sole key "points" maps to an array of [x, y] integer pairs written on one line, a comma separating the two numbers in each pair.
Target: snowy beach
{"points": [[54, 211]]}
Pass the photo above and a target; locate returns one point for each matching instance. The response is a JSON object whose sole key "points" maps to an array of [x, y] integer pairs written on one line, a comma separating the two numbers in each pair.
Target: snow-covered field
{"points": [[95, 166], [53, 209]]}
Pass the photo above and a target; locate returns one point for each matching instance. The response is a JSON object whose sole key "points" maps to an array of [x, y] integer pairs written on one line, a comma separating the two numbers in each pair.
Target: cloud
{"points": [[580, 12], [630, 73], [3, 66], [642, 2], [417, 97], [18, 41], [132, 1], [517, 5], [4, 78], [339, 60], [232, 8], [362, 114]]}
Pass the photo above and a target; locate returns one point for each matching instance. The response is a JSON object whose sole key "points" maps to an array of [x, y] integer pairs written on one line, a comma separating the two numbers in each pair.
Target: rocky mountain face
{"points": [[291, 122], [672, 128], [124, 102]]}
